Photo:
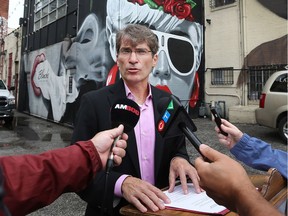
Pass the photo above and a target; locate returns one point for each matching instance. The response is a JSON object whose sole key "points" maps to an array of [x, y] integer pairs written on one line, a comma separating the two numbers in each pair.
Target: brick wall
{"points": [[4, 8]]}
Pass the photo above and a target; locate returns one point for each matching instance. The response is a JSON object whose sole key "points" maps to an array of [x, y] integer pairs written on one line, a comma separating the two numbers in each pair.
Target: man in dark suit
{"points": [[151, 162]]}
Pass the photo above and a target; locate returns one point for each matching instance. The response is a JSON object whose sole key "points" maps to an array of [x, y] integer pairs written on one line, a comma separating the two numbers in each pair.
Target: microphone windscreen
{"points": [[126, 112]]}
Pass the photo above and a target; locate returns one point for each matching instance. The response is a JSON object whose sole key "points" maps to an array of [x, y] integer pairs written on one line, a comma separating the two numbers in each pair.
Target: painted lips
{"points": [[39, 59], [164, 88]]}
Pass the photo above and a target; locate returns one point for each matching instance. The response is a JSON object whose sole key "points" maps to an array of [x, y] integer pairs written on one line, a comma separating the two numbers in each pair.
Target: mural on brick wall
{"points": [[58, 75]]}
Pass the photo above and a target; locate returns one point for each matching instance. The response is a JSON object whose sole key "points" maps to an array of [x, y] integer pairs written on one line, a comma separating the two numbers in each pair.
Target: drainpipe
{"points": [[243, 41], [27, 28]]}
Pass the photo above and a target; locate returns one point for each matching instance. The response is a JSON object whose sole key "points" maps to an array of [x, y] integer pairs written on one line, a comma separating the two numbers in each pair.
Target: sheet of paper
{"points": [[193, 201]]}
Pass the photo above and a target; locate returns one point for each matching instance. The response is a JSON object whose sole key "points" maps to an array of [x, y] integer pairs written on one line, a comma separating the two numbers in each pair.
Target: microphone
{"points": [[126, 112], [123, 111], [175, 121]]}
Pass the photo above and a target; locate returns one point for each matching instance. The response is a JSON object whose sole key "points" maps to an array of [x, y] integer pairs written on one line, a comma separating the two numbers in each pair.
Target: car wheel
{"points": [[283, 129]]}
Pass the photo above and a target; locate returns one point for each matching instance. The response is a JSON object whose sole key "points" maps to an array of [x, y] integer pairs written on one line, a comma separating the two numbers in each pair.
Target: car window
{"points": [[2, 86], [280, 84]]}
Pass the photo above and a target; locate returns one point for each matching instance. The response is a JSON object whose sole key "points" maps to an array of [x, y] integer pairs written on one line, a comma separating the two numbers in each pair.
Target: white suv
{"points": [[7, 103], [273, 106]]}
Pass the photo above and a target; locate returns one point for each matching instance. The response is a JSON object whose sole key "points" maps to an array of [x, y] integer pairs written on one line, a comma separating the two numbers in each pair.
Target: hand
{"points": [[234, 134], [224, 179], [103, 141], [143, 195], [180, 167]]}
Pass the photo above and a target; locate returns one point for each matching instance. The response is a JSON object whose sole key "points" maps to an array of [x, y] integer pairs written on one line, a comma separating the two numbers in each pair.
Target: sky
{"points": [[16, 8]]}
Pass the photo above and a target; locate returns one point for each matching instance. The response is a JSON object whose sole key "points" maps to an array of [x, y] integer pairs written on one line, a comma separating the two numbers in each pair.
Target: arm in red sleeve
{"points": [[34, 181]]}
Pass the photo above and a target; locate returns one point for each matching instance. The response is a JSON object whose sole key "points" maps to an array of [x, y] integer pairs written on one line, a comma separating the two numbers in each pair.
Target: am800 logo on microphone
{"points": [[125, 111], [128, 108]]}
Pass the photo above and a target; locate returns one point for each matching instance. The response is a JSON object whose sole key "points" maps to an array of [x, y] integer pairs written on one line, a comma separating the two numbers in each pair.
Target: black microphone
{"points": [[175, 121], [123, 111]]}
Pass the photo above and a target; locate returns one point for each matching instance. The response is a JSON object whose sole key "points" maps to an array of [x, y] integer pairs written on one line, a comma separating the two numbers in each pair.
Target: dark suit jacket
{"points": [[94, 116]]}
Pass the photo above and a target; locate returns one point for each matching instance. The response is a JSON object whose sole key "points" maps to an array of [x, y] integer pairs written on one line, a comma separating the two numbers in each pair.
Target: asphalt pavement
{"points": [[31, 135]]}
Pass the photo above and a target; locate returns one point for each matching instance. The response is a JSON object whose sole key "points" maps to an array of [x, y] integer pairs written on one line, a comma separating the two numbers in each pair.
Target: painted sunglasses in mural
{"points": [[179, 50]]}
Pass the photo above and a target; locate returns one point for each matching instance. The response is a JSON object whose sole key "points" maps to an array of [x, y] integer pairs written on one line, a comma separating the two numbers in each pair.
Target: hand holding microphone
{"points": [[175, 121], [127, 113], [103, 142]]}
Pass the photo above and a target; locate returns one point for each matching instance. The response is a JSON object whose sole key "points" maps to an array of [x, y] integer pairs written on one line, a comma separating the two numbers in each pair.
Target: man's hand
{"points": [[180, 167], [103, 141], [223, 179], [226, 181], [143, 195]]}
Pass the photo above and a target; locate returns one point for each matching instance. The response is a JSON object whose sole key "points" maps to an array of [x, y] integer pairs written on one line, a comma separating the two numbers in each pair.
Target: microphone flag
{"points": [[173, 114]]}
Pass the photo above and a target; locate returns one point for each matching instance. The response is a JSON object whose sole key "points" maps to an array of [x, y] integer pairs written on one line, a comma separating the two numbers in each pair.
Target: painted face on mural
{"points": [[83, 57], [78, 59], [180, 43]]}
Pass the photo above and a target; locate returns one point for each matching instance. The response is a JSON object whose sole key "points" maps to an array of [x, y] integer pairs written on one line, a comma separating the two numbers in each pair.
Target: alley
{"points": [[30, 135]]}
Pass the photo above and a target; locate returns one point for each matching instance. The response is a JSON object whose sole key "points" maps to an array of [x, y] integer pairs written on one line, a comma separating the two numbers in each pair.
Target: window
{"points": [[53, 5], [280, 84], [47, 11], [2, 85], [220, 3], [222, 76], [257, 77]]}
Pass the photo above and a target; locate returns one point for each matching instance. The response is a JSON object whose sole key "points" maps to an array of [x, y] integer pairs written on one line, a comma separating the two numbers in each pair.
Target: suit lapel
{"points": [[157, 94]]}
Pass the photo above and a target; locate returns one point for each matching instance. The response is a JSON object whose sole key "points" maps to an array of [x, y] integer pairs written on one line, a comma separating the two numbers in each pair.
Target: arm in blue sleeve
{"points": [[260, 155]]}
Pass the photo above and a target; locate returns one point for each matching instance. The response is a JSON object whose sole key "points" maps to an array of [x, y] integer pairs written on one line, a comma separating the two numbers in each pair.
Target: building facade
{"points": [[3, 32], [245, 42], [212, 52], [12, 60]]}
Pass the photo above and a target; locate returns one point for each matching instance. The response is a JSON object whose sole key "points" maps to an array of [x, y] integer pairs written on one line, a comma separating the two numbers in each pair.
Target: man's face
{"points": [[135, 62]]}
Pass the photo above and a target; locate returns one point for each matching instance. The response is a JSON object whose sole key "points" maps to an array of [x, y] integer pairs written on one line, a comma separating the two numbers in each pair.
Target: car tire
{"points": [[283, 129]]}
